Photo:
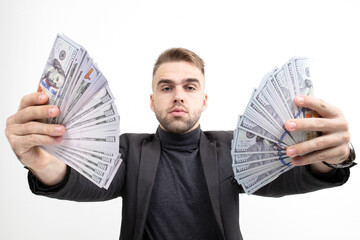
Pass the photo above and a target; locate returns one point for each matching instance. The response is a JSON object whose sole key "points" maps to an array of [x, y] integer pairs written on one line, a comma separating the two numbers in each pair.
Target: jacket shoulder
{"points": [[219, 136], [137, 137], [133, 141]]}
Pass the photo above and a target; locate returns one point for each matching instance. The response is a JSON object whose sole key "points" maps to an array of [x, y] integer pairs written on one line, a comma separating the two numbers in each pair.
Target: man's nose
{"points": [[178, 96]]}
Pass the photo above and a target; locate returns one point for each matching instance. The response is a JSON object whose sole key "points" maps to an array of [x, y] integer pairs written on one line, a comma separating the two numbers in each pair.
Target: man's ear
{"points": [[205, 102], [152, 102]]}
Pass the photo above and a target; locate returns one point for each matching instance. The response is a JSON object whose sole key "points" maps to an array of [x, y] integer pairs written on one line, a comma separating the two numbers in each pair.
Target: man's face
{"points": [[55, 79], [178, 97]]}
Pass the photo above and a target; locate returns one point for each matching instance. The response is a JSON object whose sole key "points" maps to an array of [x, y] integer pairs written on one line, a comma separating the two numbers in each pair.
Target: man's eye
{"points": [[190, 88], [166, 89]]}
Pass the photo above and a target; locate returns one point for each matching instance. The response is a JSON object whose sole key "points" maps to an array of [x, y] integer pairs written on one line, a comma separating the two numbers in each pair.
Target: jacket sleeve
{"points": [[295, 181], [75, 187], [303, 180]]}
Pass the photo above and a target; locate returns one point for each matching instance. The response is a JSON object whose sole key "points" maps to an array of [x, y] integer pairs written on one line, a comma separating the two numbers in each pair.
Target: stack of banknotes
{"points": [[77, 87], [260, 139]]}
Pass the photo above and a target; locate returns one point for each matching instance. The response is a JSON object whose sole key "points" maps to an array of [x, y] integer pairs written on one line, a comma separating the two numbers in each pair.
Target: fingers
{"points": [[319, 144], [22, 144], [332, 118], [332, 155], [321, 107], [317, 124], [30, 110], [33, 99], [31, 113], [36, 128], [332, 146], [23, 137], [25, 134]]}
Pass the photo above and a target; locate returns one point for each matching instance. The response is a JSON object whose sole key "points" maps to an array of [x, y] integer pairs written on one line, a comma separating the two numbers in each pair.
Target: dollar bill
{"points": [[287, 91], [84, 169], [248, 125], [99, 157], [106, 115], [254, 168], [59, 65], [113, 171], [79, 89], [103, 97], [260, 180], [107, 140], [249, 142], [258, 148]]}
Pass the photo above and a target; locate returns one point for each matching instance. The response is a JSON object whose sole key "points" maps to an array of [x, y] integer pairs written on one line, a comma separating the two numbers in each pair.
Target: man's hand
{"points": [[25, 133], [332, 146]]}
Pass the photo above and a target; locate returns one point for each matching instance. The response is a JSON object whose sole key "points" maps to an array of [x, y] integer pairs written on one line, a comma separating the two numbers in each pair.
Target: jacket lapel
{"points": [[210, 165], [150, 155]]}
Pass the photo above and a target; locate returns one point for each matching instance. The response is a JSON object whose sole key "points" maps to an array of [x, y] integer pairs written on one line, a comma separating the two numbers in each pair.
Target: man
{"points": [[178, 183]]}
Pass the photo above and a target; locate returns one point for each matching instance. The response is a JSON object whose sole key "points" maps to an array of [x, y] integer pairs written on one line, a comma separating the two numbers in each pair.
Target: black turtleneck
{"points": [[180, 206]]}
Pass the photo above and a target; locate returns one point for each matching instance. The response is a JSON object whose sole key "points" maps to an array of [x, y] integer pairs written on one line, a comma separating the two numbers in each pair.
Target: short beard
{"points": [[177, 126]]}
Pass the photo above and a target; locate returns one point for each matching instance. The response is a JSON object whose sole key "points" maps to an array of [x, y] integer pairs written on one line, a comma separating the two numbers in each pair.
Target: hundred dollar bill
{"points": [[249, 179], [98, 82], [291, 78], [85, 64], [105, 158], [107, 141], [104, 116], [287, 90], [280, 92], [86, 171], [93, 81], [302, 73], [249, 142], [279, 99], [258, 148], [100, 166], [113, 171], [257, 115], [258, 181], [87, 165], [60, 64], [77, 87], [254, 168], [264, 99], [248, 125], [67, 96], [103, 97], [107, 125], [244, 170], [244, 158]]}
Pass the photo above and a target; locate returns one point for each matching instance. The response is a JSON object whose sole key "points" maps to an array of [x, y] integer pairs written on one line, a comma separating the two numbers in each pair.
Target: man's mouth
{"points": [[177, 112]]}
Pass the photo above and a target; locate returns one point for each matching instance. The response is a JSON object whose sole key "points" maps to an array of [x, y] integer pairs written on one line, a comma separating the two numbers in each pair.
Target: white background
{"points": [[240, 41]]}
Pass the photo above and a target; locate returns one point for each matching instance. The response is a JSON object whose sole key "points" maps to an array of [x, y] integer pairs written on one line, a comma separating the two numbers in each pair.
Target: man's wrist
{"points": [[319, 167], [349, 162]]}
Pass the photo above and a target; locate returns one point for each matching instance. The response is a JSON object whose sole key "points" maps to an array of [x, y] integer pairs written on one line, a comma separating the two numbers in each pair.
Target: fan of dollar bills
{"points": [[260, 140], [75, 84]]}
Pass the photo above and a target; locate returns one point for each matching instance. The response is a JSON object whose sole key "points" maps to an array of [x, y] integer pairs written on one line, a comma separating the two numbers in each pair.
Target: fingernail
{"points": [[291, 152], [41, 97], [300, 100], [292, 126], [51, 110], [58, 129], [296, 161]]}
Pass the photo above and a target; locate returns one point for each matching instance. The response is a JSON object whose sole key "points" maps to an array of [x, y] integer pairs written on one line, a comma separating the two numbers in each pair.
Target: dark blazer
{"points": [[135, 178]]}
